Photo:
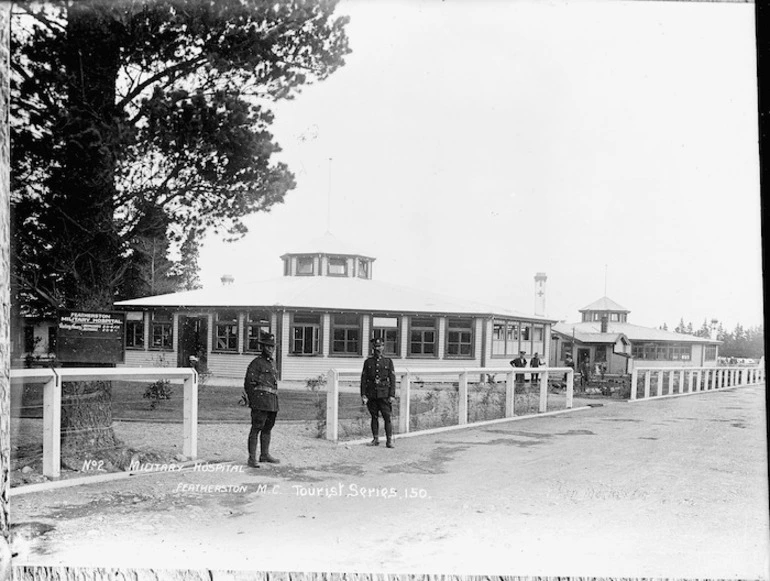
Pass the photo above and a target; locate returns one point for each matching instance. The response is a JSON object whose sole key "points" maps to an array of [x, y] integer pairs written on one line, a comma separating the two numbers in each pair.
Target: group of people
{"points": [[521, 361], [378, 392]]}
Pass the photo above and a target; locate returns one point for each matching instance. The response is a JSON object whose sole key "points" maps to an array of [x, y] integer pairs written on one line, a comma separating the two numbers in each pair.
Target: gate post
{"points": [[646, 384], [543, 391], [190, 446], [510, 395], [634, 381], [403, 405], [571, 387], [332, 405], [659, 383], [463, 402], [52, 426]]}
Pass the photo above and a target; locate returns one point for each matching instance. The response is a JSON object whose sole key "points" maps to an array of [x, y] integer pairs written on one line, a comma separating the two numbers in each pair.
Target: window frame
{"points": [[346, 327], [423, 329], [300, 259], [250, 323], [339, 259], [511, 337], [132, 335], [316, 339], [162, 324], [230, 335], [363, 266], [452, 326], [381, 332]]}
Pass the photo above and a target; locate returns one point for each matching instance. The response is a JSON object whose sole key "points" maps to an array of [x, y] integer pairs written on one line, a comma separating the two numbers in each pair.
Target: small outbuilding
{"points": [[609, 341]]}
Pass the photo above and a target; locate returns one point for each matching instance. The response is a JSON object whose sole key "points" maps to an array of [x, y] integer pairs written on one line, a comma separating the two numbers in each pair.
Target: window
{"points": [[526, 332], [459, 338], [134, 330], [386, 328], [338, 266], [505, 338], [662, 351], [600, 354], [597, 316], [566, 348], [538, 331], [711, 353], [614, 317], [422, 336], [286, 267], [256, 322], [363, 268], [305, 333], [226, 331], [29, 339], [52, 339], [161, 330], [305, 265], [346, 334]]}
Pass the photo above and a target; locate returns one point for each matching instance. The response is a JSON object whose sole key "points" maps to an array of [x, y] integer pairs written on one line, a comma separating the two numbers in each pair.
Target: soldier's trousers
{"points": [[376, 407], [262, 423]]}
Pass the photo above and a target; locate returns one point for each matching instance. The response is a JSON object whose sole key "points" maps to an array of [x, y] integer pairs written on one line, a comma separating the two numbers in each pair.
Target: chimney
{"points": [[713, 329], [227, 279], [604, 323], [540, 279]]}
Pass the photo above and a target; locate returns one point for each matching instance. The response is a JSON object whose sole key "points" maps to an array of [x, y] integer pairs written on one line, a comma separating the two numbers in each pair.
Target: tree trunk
{"points": [[83, 194], [5, 294]]}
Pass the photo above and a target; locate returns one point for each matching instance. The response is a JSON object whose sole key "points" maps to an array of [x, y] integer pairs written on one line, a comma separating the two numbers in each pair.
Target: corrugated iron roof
{"points": [[590, 332], [326, 293], [604, 304]]}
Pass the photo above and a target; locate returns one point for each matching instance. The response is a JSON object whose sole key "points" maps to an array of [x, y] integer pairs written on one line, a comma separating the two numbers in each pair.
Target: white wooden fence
{"points": [[676, 381], [52, 394], [407, 376]]}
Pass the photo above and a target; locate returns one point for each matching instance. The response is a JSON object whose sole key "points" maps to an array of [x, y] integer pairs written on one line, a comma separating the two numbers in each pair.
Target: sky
{"points": [[611, 145]]}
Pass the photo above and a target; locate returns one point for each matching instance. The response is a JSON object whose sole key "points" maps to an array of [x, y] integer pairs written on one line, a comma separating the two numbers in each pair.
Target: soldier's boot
{"points": [[375, 441], [252, 461], [265, 454], [389, 433]]}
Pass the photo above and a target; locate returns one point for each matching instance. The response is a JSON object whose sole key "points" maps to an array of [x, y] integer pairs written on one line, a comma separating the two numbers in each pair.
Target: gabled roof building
{"points": [[323, 311], [605, 336]]}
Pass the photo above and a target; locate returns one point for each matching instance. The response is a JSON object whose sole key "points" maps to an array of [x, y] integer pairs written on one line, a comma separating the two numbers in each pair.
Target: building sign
{"points": [[90, 337]]}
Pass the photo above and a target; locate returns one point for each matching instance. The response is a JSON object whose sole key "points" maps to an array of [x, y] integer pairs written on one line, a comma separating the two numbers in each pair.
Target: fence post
{"points": [[570, 388], [646, 384], [634, 381], [543, 391], [690, 381], [698, 380], [190, 413], [52, 426], [659, 383], [671, 383], [681, 381], [332, 405], [510, 395], [463, 402], [403, 406]]}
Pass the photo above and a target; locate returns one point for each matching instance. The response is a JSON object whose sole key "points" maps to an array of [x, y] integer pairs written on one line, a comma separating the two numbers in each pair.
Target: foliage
{"points": [[748, 342], [144, 121], [158, 391]]}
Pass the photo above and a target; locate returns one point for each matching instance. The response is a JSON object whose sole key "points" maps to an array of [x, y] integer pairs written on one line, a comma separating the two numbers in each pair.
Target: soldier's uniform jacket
{"points": [[378, 379], [261, 384]]}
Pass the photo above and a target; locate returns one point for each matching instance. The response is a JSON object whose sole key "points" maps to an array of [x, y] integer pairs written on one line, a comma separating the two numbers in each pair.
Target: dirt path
{"points": [[673, 488]]}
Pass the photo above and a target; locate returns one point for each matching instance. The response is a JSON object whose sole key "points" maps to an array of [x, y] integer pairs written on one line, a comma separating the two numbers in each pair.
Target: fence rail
{"points": [[408, 376], [53, 378], [672, 381]]}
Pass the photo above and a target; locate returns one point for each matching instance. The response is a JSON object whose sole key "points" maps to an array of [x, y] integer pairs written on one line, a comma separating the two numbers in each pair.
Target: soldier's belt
{"points": [[267, 389]]}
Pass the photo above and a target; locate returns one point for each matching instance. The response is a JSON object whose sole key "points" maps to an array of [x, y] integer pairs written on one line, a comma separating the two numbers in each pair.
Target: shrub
{"points": [[157, 391]]}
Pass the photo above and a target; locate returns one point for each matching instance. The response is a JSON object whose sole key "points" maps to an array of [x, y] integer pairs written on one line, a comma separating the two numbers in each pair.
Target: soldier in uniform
{"points": [[261, 386], [535, 362], [520, 361], [378, 390]]}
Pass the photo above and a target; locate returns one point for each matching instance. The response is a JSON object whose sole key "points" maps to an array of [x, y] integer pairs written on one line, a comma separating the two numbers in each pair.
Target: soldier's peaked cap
{"points": [[377, 341], [267, 339]]}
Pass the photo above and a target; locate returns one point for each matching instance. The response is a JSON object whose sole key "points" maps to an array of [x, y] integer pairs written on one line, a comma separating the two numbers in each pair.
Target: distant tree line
{"points": [[748, 342]]}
